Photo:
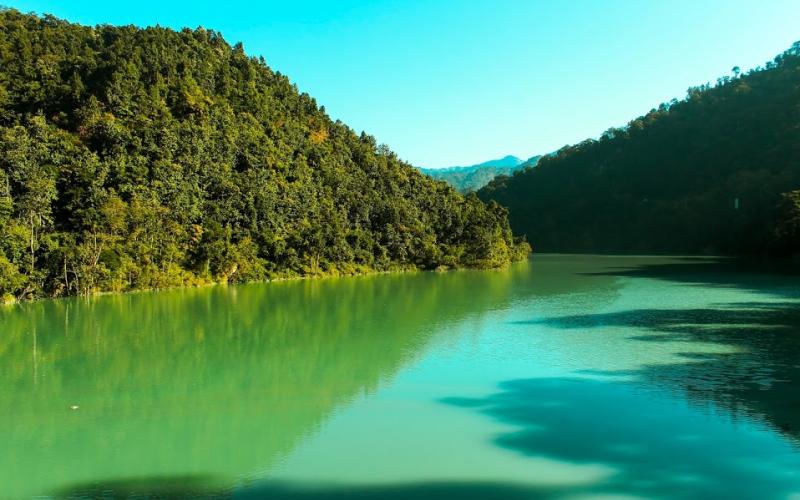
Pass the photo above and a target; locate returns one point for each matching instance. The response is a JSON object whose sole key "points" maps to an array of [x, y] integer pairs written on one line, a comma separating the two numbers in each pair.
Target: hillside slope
{"points": [[140, 158], [702, 175]]}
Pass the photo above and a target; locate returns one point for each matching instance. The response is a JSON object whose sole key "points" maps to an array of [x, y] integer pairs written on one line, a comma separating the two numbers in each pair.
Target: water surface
{"points": [[563, 377]]}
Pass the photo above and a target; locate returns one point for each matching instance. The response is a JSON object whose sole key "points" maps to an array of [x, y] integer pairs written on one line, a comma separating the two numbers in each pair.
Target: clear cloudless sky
{"points": [[456, 82]]}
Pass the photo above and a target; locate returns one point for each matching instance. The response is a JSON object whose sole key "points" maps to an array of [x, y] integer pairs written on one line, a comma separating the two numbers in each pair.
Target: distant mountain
{"points": [[506, 161], [715, 173], [474, 177]]}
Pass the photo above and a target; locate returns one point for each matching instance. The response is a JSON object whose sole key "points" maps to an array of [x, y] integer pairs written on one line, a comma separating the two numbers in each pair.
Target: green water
{"points": [[564, 377]]}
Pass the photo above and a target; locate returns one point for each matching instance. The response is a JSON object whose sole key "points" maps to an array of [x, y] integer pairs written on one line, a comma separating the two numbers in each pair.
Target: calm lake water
{"points": [[563, 377]]}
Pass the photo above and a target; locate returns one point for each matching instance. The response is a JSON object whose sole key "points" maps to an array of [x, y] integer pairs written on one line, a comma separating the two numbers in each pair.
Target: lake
{"points": [[562, 377]]}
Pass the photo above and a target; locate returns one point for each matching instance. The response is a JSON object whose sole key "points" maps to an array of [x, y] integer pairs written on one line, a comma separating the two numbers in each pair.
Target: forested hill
{"points": [[702, 175], [141, 158], [474, 177]]}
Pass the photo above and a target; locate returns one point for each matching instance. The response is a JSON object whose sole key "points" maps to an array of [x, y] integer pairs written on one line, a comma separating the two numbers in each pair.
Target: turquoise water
{"points": [[563, 377]]}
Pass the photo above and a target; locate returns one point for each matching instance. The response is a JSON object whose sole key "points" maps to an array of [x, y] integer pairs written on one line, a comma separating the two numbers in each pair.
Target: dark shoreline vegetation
{"points": [[717, 173], [149, 158]]}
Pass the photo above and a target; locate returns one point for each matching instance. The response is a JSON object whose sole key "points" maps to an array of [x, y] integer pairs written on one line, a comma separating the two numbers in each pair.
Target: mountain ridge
{"points": [[473, 177], [504, 162], [715, 173], [140, 158]]}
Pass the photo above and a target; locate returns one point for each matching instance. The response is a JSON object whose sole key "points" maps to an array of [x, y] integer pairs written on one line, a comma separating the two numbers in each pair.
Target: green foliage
{"points": [[787, 226], [697, 176], [11, 279], [146, 158]]}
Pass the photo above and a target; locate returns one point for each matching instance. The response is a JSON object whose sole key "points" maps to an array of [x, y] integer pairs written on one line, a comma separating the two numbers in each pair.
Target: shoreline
{"points": [[283, 279]]}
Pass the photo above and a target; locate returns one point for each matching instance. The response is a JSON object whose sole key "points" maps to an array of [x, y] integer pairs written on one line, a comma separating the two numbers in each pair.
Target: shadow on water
{"points": [[166, 488], [723, 272], [182, 487], [658, 446], [760, 379], [655, 449]]}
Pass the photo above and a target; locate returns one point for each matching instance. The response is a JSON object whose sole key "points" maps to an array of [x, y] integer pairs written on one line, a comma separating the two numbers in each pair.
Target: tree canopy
{"points": [[701, 175], [143, 158]]}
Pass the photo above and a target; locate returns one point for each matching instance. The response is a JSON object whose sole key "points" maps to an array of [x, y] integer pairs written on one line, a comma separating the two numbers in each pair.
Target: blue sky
{"points": [[462, 81]]}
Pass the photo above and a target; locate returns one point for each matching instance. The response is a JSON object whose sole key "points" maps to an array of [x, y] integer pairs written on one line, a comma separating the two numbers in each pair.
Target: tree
{"points": [[787, 227], [25, 158]]}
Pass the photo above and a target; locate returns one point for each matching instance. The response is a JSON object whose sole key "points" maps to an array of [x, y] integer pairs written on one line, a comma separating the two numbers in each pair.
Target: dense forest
{"points": [[146, 158], [711, 174], [474, 177]]}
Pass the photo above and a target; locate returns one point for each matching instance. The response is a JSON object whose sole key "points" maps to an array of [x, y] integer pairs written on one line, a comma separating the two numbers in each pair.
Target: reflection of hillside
{"points": [[771, 278], [219, 381], [550, 276]]}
